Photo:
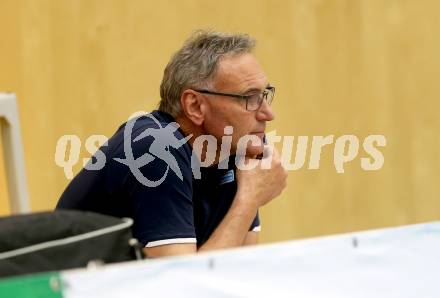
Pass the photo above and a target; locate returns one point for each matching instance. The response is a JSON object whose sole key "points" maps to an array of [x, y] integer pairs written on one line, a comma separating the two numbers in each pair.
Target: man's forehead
{"points": [[240, 71]]}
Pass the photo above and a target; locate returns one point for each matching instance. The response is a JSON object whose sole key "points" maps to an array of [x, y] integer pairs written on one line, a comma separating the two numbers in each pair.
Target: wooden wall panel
{"points": [[340, 67], [9, 75]]}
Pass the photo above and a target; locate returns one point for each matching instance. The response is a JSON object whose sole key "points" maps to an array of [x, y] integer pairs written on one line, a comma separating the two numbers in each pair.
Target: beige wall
{"points": [[340, 67], [9, 75]]}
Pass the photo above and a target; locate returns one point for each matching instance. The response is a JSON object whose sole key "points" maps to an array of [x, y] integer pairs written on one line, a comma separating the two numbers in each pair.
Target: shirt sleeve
{"points": [[256, 225]]}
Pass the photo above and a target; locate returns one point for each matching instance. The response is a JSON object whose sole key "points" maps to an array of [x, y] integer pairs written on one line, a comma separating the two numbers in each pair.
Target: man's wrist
{"points": [[244, 205]]}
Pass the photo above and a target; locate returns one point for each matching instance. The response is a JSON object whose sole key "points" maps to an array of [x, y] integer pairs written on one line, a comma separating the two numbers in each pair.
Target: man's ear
{"points": [[194, 106]]}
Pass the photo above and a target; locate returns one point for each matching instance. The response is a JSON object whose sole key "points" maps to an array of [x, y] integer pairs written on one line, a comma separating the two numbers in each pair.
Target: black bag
{"points": [[63, 239]]}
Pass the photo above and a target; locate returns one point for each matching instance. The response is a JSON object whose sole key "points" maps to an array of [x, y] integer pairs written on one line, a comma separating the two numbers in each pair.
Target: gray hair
{"points": [[195, 64]]}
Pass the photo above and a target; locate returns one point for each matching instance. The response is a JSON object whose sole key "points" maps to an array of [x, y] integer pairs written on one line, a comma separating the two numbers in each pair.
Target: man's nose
{"points": [[265, 112]]}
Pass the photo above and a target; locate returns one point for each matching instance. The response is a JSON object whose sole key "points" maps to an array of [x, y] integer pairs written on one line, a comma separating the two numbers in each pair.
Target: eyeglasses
{"points": [[253, 101]]}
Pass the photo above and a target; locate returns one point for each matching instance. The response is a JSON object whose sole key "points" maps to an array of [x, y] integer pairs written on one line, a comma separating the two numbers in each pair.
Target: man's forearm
{"points": [[232, 230]]}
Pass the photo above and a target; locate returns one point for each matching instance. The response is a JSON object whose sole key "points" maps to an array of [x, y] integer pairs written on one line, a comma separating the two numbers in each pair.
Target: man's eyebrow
{"points": [[255, 89]]}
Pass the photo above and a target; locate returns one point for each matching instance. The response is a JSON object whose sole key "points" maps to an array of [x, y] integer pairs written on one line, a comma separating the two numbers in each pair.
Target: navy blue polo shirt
{"points": [[168, 205]]}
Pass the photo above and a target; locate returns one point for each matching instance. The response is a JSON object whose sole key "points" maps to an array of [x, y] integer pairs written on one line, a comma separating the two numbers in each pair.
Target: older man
{"points": [[213, 86]]}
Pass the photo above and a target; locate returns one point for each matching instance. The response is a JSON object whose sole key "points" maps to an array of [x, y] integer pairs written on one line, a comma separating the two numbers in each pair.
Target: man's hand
{"points": [[259, 186], [255, 188]]}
